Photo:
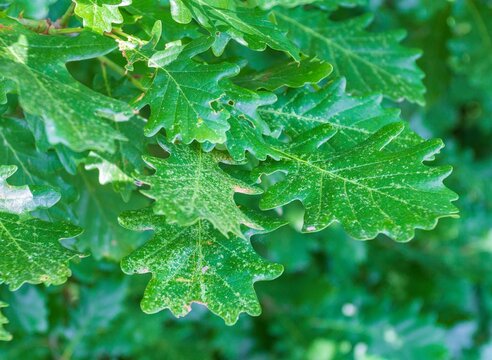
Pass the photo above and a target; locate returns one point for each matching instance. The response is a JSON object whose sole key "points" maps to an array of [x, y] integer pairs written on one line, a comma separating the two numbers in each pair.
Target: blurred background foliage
{"points": [[338, 298]]}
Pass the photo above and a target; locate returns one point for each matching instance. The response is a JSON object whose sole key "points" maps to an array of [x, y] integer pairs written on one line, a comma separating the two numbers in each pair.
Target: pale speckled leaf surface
{"points": [[99, 15], [23, 199], [230, 19], [4, 334], [196, 264], [367, 189], [182, 91], [74, 115], [292, 74], [371, 62], [31, 251], [190, 185], [355, 118]]}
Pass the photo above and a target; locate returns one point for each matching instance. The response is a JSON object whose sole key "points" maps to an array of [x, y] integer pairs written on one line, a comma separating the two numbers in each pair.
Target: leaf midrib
{"points": [[21, 249], [347, 180], [350, 54]]}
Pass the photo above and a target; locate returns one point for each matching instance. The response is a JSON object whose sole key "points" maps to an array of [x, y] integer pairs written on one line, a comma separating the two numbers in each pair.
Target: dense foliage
{"points": [[216, 144]]}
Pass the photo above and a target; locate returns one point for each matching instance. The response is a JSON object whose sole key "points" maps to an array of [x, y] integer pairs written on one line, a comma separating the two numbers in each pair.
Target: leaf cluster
{"points": [[168, 137]]}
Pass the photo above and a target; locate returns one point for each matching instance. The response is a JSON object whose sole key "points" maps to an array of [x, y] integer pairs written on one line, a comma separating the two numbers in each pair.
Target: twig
{"points": [[120, 71], [63, 21], [47, 27]]}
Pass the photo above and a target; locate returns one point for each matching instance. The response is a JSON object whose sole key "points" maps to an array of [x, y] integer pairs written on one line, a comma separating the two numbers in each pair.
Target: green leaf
{"points": [[231, 19], [74, 115], [247, 127], [472, 45], [98, 308], [28, 309], [269, 222], [4, 335], [22, 199], [293, 75], [99, 15], [134, 49], [190, 185], [191, 87], [120, 168], [243, 130], [329, 4], [367, 189], [69, 159], [96, 211], [147, 13], [39, 167], [355, 118], [371, 62], [196, 264], [37, 9], [31, 251]]}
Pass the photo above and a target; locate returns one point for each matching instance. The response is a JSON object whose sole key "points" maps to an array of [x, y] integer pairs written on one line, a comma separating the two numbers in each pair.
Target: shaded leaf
{"points": [[329, 4], [28, 310], [96, 211], [472, 44], [120, 168], [371, 62], [231, 19], [74, 115], [4, 334], [293, 75], [355, 118], [36, 166]]}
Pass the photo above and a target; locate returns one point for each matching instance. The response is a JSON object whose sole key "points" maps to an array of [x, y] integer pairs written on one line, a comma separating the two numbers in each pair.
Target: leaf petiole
{"points": [[63, 21]]}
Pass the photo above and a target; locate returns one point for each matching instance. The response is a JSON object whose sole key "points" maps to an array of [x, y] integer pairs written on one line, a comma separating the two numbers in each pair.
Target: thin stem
{"points": [[105, 78], [39, 26], [120, 71], [47, 27], [112, 36], [54, 31], [121, 33], [63, 21]]}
